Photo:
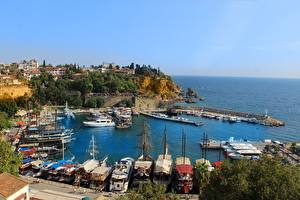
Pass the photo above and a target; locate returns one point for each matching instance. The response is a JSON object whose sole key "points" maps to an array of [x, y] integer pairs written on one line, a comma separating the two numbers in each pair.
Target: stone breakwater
{"points": [[215, 113]]}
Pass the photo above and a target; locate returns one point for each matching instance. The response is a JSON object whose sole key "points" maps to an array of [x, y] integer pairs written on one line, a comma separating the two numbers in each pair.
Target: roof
{"points": [[89, 165], [10, 184], [183, 160], [184, 169]]}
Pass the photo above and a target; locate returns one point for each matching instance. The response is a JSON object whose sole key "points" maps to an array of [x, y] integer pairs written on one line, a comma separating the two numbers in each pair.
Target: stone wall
{"points": [[144, 104]]}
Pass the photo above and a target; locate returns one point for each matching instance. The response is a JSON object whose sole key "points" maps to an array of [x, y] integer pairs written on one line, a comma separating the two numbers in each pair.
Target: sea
{"points": [[279, 98]]}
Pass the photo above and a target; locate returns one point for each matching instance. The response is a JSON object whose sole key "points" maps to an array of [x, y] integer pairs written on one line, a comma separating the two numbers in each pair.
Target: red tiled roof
{"points": [[10, 184]]}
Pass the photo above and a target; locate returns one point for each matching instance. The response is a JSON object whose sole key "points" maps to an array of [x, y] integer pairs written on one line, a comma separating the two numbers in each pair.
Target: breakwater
{"points": [[215, 113]]}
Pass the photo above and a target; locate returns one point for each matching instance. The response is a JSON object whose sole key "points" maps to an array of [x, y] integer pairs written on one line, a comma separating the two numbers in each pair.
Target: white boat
{"points": [[100, 122], [121, 175]]}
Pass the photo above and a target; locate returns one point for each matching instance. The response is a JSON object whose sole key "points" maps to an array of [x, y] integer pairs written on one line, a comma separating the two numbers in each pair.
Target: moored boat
{"points": [[121, 175], [100, 122], [163, 166], [183, 171], [143, 166]]}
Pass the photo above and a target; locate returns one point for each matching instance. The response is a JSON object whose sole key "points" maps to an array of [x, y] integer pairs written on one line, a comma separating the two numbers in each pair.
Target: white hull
{"points": [[95, 124]]}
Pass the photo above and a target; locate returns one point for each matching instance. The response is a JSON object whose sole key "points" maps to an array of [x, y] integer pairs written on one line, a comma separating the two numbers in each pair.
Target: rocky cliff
{"points": [[161, 87]]}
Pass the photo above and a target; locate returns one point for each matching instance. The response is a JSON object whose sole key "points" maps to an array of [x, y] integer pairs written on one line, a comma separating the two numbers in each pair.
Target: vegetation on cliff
{"points": [[85, 90], [9, 159]]}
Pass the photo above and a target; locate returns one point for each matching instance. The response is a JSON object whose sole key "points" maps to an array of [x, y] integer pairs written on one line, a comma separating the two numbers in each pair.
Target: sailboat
{"points": [[68, 113], [183, 171], [83, 175], [143, 166], [163, 165]]}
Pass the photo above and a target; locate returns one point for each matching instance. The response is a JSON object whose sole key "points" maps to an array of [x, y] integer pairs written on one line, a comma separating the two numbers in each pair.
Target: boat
{"points": [[163, 166], [100, 122], [183, 171], [100, 176], [83, 174], [68, 113], [121, 175], [143, 166]]}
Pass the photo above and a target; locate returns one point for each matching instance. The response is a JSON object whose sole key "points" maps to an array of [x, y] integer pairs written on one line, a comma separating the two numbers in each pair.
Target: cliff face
{"points": [[14, 91], [157, 86]]}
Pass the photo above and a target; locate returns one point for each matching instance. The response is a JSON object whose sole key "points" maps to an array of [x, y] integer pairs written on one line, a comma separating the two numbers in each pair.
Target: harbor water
{"points": [[280, 97]]}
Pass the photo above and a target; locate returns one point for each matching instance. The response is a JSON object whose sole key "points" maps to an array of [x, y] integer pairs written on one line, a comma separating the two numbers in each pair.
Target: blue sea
{"points": [[280, 97]]}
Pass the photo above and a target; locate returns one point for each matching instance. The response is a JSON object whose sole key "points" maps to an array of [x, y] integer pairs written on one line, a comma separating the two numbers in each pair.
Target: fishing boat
{"points": [[163, 166], [143, 166], [183, 171], [100, 176], [100, 122], [121, 175]]}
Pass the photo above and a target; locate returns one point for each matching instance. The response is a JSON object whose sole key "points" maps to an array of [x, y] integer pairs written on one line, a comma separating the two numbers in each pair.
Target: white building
{"points": [[12, 187], [28, 65]]}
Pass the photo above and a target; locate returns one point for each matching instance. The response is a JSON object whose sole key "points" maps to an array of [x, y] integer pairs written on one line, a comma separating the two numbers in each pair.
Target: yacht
{"points": [[163, 166], [100, 122], [121, 175]]}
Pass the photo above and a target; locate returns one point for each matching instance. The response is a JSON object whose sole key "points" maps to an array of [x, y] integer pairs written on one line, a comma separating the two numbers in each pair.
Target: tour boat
{"points": [[143, 166], [183, 171], [100, 122], [163, 166], [100, 176], [121, 175]]}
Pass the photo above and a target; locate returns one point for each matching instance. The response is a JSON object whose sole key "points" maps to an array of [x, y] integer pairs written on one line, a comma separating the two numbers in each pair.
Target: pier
{"points": [[180, 120], [229, 115]]}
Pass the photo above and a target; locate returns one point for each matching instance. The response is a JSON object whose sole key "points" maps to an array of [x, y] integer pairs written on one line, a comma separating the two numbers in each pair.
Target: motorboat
{"points": [[100, 122]]}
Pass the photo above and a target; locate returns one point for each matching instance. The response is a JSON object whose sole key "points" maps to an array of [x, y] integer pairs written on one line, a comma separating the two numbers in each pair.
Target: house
{"points": [[9, 80], [13, 188], [28, 65], [31, 73], [55, 71], [107, 67]]}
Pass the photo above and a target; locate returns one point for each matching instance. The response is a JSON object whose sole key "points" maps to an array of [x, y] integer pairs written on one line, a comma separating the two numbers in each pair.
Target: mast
{"points": [[183, 144], [145, 141], [165, 143], [93, 147]]}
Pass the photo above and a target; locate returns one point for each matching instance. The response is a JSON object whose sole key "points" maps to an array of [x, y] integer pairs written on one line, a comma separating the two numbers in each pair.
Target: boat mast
{"points": [[145, 141], [93, 150], [165, 143], [183, 145]]}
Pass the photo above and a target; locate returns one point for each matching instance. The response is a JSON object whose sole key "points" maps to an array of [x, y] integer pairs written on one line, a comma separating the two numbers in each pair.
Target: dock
{"points": [[227, 115], [179, 120]]}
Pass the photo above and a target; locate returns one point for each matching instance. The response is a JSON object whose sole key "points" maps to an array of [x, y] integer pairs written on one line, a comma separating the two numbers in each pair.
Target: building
{"points": [[107, 67], [55, 71], [9, 80], [28, 65], [31, 73], [13, 188]]}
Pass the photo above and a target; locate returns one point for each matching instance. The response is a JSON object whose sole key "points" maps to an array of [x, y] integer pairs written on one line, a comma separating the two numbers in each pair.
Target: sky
{"points": [[256, 38]]}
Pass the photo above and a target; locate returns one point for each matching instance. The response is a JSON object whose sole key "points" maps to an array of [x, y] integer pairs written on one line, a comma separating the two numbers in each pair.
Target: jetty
{"points": [[173, 119], [227, 115]]}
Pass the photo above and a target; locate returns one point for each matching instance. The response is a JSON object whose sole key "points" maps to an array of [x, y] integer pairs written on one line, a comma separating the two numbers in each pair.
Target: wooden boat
{"points": [[143, 166], [163, 166], [183, 171], [100, 176]]}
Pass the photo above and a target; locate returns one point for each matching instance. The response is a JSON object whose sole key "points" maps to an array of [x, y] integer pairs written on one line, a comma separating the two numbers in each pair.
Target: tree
{"points": [[202, 177], [91, 102], [8, 106], [245, 179], [9, 160], [4, 121], [149, 191]]}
